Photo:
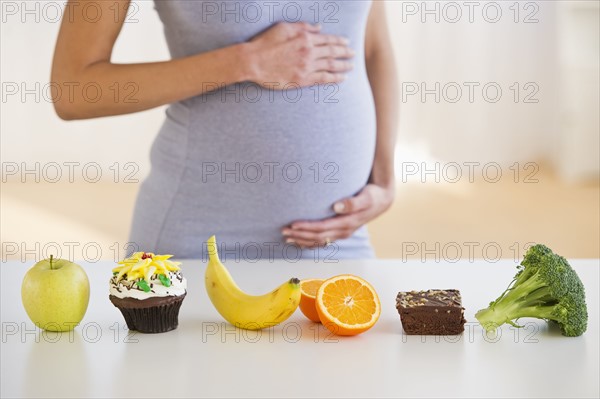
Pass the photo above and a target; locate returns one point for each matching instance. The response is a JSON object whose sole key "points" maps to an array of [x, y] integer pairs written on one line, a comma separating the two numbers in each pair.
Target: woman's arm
{"points": [[377, 196], [91, 86], [383, 78]]}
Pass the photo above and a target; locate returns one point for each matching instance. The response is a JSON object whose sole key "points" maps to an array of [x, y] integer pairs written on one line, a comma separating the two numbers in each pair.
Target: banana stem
{"points": [[211, 247]]}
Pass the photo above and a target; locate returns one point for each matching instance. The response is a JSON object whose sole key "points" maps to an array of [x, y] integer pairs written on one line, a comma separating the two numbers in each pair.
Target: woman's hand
{"points": [[353, 212], [298, 53]]}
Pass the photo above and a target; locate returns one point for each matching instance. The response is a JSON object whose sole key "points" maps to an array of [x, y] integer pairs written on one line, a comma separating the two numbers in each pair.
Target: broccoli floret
{"points": [[545, 287]]}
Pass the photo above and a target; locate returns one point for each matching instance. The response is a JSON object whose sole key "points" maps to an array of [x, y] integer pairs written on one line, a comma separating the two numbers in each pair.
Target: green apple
{"points": [[55, 294]]}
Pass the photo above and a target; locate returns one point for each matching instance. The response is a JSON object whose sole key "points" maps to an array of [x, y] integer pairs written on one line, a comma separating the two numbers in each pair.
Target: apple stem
{"points": [[51, 258]]}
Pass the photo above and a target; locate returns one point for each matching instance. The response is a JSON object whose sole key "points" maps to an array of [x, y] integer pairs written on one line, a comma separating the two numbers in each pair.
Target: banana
{"points": [[247, 311]]}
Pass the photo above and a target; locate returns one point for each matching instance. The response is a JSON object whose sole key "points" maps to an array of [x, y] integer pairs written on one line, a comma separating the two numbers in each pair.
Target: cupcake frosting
{"points": [[146, 275]]}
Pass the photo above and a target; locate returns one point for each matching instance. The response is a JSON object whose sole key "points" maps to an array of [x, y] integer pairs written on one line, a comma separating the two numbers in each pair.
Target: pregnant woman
{"points": [[280, 131]]}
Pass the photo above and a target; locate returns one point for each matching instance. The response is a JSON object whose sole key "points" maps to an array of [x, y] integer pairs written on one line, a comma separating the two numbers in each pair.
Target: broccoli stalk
{"points": [[546, 287]]}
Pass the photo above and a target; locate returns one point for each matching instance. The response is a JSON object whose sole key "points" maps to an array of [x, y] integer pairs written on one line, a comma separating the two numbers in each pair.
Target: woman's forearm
{"points": [[383, 78], [103, 88], [86, 84]]}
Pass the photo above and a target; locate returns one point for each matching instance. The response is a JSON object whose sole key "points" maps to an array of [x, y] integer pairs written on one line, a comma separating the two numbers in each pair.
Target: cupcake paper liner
{"points": [[161, 316]]}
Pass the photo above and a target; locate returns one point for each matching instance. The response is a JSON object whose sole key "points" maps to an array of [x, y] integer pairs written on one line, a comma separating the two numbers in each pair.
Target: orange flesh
{"points": [[347, 305], [349, 301], [310, 287]]}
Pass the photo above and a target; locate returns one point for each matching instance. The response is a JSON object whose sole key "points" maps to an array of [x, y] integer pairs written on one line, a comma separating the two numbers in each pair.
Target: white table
{"points": [[206, 357]]}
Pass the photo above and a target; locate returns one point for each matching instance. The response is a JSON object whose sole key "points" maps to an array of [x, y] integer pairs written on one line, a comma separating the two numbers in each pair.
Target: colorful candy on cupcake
{"points": [[148, 289]]}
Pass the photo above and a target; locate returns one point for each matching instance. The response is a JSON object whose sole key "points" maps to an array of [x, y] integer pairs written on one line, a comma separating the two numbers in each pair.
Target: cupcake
{"points": [[148, 289]]}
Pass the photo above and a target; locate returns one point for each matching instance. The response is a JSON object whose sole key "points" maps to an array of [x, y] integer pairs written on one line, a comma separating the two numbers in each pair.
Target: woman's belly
{"points": [[242, 162], [228, 164]]}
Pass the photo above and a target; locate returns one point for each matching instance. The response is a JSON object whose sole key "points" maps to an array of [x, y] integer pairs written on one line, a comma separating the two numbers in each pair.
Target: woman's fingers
{"points": [[305, 243], [298, 52], [359, 202], [333, 65], [291, 30], [333, 51], [323, 77], [322, 39], [309, 239], [352, 213], [330, 59], [317, 236], [320, 233], [314, 28], [333, 223]]}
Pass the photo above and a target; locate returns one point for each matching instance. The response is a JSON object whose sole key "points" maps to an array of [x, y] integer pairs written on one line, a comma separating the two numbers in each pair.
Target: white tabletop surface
{"points": [[207, 357]]}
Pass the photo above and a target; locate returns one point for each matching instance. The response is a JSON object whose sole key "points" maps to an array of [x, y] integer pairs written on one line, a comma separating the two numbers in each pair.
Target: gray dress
{"points": [[243, 161]]}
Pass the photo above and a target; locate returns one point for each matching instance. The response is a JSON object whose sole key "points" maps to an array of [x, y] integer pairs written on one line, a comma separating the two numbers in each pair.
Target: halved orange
{"points": [[347, 305], [308, 306]]}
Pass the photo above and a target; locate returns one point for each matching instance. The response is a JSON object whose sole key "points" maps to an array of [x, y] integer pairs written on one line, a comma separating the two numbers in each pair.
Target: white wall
{"points": [[579, 60], [559, 54], [30, 130]]}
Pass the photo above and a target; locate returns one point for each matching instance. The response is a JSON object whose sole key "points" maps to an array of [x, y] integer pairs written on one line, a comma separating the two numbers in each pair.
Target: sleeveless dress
{"points": [[243, 161]]}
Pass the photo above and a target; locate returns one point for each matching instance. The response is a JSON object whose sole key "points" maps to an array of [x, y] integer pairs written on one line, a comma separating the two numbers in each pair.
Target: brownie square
{"points": [[431, 312]]}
